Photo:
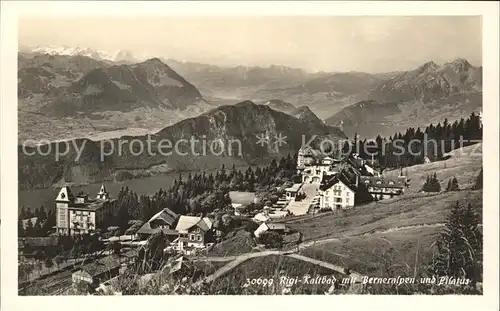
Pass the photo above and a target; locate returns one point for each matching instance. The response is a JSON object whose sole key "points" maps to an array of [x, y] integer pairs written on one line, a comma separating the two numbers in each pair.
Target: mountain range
{"points": [[118, 56], [415, 98], [242, 122], [83, 92], [76, 95]]}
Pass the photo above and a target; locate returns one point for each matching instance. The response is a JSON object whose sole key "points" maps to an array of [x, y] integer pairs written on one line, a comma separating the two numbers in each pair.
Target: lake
{"points": [[148, 186]]}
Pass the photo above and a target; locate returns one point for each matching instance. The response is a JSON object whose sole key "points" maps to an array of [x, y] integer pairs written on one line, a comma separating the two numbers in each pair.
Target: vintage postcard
{"points": [[250, 149]]}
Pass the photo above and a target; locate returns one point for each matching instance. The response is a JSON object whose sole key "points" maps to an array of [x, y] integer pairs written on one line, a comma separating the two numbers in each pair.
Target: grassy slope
{"points": [[367, 250], [271, 267]]}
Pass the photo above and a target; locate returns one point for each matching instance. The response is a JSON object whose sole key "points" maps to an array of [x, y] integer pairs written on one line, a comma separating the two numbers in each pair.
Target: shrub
{"points": [[251, 226], [271, 239]]}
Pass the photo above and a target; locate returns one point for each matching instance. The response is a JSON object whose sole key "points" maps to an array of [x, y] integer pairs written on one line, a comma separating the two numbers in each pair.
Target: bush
{"points": [[251, 226], [271, 239]]}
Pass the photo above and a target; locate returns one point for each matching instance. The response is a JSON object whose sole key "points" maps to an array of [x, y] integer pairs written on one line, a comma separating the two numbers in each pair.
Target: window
{"points": [[191, 237], [347, 200], [391, 183], [198, 237]]}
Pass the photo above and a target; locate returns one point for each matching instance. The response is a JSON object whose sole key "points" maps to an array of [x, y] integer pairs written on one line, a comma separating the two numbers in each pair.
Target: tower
{"points": [[63, 200], [103, 194]]}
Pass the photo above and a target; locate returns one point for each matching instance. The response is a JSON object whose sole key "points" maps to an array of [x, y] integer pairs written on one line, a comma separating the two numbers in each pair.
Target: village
{"points": [[322, 184]]}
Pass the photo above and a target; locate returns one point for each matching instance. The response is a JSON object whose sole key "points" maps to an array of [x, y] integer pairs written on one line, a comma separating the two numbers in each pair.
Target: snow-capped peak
{"points": [[120, 55], [73, 51], [123, 55]]}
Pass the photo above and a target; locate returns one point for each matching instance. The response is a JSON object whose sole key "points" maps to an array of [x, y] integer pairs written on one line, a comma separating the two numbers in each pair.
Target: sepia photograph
{"points": [[250, 155]]}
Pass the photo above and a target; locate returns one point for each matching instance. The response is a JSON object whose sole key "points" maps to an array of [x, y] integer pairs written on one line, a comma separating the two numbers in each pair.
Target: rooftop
{"points": [[146, 229], [294, 188], [165, 215], [187, 222], [276, 226], [383, 182]]}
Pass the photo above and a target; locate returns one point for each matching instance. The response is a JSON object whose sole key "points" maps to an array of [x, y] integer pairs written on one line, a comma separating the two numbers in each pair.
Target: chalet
{"points": [[80, 214], [342, 191], [97, 272], [277, 227], [194, 232], [336, 194], [383, 187], [165, 221]]}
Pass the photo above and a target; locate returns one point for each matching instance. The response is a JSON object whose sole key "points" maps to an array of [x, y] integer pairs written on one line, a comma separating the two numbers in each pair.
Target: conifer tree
{"points": [[479, 180], [20, 228], [454, 185], [459, 247]]}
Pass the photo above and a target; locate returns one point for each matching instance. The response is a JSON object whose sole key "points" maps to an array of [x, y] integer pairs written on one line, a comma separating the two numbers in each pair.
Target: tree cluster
{"points": [[479, 181], [460, 245], [432, 184], [411, 148], [38, 228], [203, 193]]}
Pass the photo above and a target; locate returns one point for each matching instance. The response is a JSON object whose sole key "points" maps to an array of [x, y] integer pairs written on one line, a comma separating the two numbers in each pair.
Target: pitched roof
{"points": [[242, 197], [383, 182], [261, 217], [276, 226], [294, 188], [146, 229], [166, 215], [186, 222], [334, 179], [209, 222]]}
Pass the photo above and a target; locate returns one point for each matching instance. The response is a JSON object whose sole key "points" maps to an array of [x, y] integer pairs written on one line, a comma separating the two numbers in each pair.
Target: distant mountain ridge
{"points": [[120, 94], [99, 55], [430, 81], [417, 97], [242, 122], [63, 96], [98, 87]]}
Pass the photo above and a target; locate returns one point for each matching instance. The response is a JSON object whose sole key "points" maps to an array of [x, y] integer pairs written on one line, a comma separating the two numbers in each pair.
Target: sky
{"points": [[314, 43]]}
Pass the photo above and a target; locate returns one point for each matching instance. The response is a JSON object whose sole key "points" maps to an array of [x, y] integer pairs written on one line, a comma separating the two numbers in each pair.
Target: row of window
{"points": [[193, 236], [336, 200]]}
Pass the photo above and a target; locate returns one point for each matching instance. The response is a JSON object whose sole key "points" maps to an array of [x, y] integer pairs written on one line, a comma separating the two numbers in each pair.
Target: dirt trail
{"points": [[235, 261]]}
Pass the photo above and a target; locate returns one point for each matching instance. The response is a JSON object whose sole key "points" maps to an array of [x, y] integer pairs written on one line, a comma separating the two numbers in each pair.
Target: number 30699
{"points": [[259, 282]]}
